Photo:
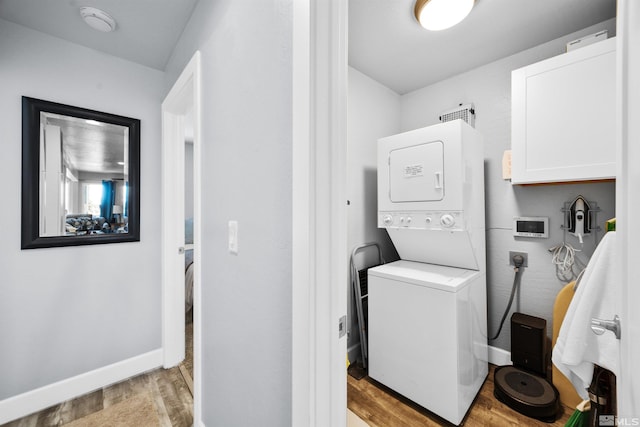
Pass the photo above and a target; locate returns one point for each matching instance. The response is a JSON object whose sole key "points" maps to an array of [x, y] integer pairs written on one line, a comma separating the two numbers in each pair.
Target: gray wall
{"points": [[246, 158], [67, 311], [374, 112], [489, 88]]}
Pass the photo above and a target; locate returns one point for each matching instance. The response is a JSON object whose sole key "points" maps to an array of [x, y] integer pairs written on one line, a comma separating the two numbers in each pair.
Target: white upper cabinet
{"points": [[563, 117]]}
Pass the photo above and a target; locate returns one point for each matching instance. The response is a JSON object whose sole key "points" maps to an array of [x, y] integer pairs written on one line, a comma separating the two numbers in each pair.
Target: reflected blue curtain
{"points": [[125, 209], [108, 198]]}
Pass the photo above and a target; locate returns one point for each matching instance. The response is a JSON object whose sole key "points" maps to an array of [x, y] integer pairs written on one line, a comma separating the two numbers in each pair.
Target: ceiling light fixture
{"points": [[438, 15], [98, 19]]}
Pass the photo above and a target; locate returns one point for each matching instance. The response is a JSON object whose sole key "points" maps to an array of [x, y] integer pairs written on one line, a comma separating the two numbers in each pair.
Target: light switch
{"points": [[233, 237]]}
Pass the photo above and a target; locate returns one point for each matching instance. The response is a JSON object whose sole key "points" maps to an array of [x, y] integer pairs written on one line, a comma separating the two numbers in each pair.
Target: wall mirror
{"points": [[80, 176]]}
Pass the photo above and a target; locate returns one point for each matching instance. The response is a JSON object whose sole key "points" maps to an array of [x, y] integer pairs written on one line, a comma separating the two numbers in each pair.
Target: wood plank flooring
{"points": [[171, 397], [374, 403], [380, 406], [170, 390]]}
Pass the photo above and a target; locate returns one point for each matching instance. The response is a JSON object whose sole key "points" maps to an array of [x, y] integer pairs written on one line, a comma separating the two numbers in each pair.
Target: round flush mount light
{"points": [[98, 19], [438, 15]]}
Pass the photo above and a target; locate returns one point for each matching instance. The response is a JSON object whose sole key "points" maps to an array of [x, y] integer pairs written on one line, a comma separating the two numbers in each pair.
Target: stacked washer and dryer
{"points": [[427, 326]]}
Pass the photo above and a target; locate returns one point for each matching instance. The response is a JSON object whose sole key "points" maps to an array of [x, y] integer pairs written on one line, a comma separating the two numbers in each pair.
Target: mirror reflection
{"points": [[80, 176], [83, 176]]}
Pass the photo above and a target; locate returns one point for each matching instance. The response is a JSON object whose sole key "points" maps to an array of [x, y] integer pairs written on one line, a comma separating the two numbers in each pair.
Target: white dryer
{"points": [[427, 315], [431, 194]]}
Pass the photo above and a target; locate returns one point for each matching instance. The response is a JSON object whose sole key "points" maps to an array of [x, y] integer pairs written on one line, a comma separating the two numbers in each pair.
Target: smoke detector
{"points": [[98, 19]]}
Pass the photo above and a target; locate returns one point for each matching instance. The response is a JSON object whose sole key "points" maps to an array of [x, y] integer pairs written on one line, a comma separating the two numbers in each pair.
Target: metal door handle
{"points": [[599, 326]]}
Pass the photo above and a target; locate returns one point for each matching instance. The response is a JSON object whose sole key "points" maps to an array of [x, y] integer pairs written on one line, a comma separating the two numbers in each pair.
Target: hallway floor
{"points": [[162, 398], [171, 403]]}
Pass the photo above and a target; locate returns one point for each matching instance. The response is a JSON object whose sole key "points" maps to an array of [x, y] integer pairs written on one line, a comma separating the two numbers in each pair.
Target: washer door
{"points": [[416, 174]]}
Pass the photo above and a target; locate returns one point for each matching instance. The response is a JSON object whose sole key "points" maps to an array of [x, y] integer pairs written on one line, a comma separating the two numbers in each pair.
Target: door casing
{"points": [[184, 97]]}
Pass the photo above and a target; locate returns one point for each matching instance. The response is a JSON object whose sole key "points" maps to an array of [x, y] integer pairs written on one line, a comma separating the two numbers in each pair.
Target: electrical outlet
{"points": [[523, 254]]}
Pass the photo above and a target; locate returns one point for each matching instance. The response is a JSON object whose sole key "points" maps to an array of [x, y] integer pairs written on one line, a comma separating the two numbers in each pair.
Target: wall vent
{"points": [[465, 112]]}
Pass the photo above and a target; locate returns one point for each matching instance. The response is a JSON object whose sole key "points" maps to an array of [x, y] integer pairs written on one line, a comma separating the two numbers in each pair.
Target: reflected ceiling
{"points": [[91, 147]]}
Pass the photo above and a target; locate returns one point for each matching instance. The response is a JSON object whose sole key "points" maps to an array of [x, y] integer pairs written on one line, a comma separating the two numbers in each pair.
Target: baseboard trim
{"points": [[499, 357], [36, 400]]}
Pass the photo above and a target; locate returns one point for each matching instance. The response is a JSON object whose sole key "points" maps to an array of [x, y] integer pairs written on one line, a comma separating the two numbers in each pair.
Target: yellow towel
{"points": [[568, 395]]}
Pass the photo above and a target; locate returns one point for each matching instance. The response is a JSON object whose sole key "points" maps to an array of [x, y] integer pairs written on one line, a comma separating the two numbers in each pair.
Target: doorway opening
{"points": [[181, 241]]}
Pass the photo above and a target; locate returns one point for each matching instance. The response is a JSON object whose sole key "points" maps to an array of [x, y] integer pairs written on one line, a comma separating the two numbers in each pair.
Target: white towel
{"points": [[598, 295]]}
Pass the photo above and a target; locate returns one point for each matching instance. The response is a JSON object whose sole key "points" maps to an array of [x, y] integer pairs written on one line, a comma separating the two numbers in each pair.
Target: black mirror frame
{"points": [[31, 239]]}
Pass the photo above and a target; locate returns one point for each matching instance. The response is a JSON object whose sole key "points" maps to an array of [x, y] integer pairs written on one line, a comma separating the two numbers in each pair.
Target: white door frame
{"points": [[628, 204], [319, 55], [183, 97], [319, 253]]}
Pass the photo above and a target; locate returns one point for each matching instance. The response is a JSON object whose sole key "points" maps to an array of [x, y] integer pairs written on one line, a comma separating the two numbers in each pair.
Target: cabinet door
{"points": [[563, 117]]}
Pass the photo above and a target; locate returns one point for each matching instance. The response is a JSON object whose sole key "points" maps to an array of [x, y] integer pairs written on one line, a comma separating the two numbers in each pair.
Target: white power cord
{"points": [[564, 258]]}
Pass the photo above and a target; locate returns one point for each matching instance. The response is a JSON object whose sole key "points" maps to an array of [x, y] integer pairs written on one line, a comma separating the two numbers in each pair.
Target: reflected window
{"points": [[93, 198]]}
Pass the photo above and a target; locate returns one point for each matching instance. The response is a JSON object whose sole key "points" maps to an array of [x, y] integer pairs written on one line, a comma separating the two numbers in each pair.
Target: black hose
{"points": [[516, 282]]}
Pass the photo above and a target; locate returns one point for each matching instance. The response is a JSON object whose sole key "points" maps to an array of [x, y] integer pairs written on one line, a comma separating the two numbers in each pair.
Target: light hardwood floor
{"points": [[380, 406], [170, 390], [374, 403], [171, 397]]}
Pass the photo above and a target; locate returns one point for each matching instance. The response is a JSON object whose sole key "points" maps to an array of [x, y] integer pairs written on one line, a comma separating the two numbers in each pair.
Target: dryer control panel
{"points": [[435, 220]]}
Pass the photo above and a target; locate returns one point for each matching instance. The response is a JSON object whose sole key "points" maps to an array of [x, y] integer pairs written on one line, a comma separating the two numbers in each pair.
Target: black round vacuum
{"points": [[529, 394], [524, 386]]}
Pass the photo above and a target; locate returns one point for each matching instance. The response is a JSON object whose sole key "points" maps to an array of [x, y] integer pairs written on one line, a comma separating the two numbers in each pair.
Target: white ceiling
{"points": [[146, 32], [387, 44], [96, 147], [385, 41]]}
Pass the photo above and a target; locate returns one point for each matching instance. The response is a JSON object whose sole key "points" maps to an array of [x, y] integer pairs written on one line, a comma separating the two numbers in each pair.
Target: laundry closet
{"points": [[376, 111]]}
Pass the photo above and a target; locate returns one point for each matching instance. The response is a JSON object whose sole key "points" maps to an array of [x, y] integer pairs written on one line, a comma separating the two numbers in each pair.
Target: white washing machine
{"points": [[427, 314], [427, 334]]}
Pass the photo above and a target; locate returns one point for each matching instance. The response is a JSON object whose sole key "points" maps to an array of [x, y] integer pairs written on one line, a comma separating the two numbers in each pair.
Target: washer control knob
{"points": [[428, 220], [402, 219], [387, 220], [447, 220], [408, 220]]}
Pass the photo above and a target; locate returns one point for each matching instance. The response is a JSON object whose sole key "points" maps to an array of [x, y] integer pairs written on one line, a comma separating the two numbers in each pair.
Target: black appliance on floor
{"points": [[523, 386]]}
